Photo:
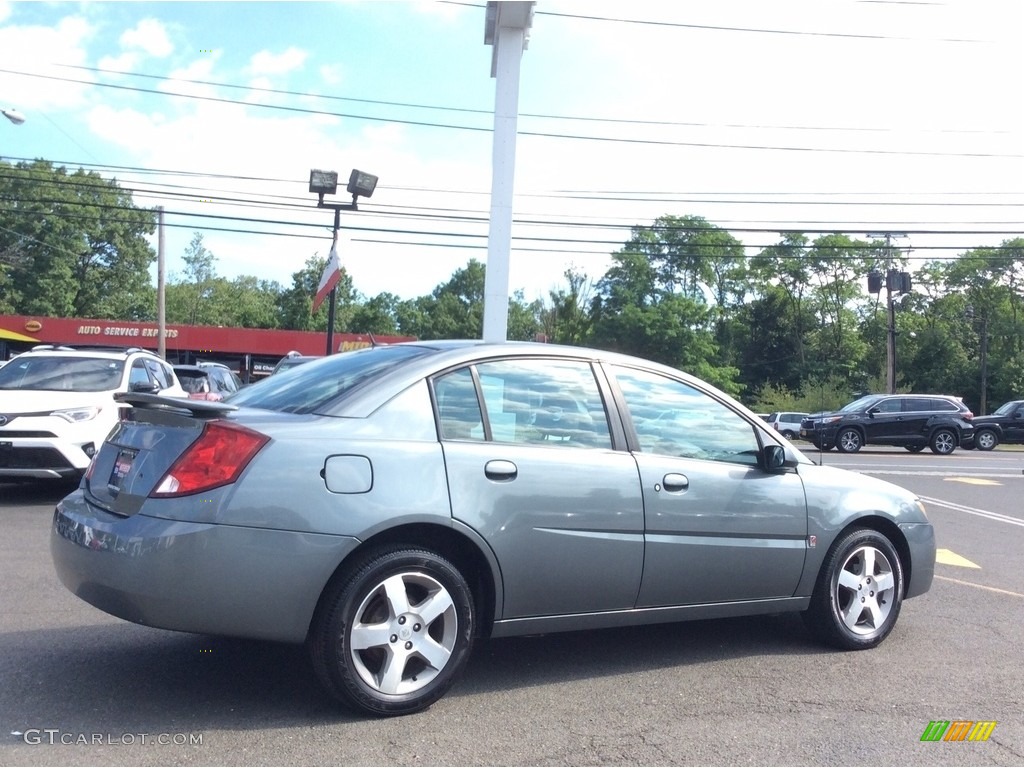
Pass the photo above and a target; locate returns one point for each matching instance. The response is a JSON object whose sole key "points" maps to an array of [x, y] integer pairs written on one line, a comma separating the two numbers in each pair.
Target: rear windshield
{"points": [[309, 387], [193, 382], [62, 374]]}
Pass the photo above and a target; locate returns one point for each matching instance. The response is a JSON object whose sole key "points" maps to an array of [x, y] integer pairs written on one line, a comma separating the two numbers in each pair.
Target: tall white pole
{"points": [[507, 25]]}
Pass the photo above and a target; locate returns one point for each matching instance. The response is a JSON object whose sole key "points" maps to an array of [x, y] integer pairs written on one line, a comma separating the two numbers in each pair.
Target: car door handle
{"points": [[674, 481], [500, 470]]}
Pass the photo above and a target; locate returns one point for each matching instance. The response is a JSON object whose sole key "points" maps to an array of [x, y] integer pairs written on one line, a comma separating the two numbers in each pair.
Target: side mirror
{"points": [[872, 411], [773, 457], [144, 386]]}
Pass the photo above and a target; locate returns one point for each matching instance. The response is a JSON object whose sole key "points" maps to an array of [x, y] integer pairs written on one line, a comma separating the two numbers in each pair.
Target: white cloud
{"points": [[332, 74], [149, 35], [20, 48], [126, 62], [267, 63]]}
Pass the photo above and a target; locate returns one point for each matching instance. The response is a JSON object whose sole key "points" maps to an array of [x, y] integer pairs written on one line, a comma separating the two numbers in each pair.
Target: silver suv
{"points": [[57, 405]]}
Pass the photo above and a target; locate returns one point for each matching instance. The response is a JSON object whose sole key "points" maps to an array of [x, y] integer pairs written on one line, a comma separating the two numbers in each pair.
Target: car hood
{"points": [[979, 420], [18, 401]]}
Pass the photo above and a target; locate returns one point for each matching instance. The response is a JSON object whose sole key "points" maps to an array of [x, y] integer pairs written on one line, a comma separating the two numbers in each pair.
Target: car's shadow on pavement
{"points": [[149, 681], [20, 493]]}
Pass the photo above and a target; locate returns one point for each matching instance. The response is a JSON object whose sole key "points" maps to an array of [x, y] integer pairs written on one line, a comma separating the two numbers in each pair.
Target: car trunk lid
{"points": [[144, 445]]}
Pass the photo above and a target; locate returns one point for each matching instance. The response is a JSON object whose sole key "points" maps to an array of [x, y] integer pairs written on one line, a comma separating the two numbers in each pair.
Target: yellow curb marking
{"points": [[948, 557]]}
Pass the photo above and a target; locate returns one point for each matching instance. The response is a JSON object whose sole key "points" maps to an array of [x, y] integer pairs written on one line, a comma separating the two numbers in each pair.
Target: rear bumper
{"points": [[212, 579]]}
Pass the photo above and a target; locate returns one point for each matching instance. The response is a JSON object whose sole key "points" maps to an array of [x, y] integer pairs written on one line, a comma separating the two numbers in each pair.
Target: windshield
{"points": [[1006, 408], [859, 404], [307, 388], [62, 374]]}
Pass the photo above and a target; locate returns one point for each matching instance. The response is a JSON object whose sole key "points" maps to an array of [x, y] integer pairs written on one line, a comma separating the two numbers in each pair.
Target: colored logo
{"points": [[33, 325], [958, 730]]}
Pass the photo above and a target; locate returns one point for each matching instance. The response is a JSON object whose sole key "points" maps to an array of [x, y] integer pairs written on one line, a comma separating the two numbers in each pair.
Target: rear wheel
{"points": [[857, 598], [849, 441], [985, 440], [392, 638], [943, 442]]}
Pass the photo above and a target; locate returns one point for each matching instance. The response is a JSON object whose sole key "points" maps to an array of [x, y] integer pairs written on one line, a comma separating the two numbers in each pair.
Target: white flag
{"points": [[329, 279]]}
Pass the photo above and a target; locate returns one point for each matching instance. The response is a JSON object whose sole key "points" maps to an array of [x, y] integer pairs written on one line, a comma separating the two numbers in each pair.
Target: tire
{"points": [[859, 592], [849, 440], [392, 637], [914, 448], [789, 434], [943, 442], [985, 440]]}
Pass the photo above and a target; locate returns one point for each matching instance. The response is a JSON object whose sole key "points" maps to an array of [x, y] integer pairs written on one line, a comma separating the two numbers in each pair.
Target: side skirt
{"points": [[638, 616]]}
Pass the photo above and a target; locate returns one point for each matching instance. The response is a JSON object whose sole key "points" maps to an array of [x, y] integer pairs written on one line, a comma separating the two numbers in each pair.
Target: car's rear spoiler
{"points": [[164, 402]]}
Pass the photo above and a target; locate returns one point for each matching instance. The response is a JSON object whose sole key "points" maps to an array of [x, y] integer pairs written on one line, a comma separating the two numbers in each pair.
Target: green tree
{"points": [[72, 244], [296, 303], [567, 319]]}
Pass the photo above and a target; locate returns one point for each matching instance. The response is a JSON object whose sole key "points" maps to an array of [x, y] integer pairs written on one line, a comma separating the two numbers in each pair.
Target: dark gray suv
{"points": [[940, 422]]}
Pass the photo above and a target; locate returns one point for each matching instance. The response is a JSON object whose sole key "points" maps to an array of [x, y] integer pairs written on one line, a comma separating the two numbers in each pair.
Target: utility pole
{"points": [[899, 282], [161, 287]]}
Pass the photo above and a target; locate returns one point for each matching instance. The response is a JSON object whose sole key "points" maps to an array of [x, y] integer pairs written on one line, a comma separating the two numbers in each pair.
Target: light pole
{"points": [[326, 183], [897, 281]]}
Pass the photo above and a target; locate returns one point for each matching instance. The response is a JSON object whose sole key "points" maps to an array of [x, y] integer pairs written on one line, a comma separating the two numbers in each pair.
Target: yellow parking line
{"points": [[971, 480], [948, 557]]}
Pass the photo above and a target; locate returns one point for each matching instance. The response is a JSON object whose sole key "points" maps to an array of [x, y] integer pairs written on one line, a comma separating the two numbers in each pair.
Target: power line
{"points": [[721, 28], [535, 134], [488, 113]]}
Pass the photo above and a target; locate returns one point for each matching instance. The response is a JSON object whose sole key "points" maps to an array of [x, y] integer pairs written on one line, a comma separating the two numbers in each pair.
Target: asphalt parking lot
{"points": [[82, 688]]}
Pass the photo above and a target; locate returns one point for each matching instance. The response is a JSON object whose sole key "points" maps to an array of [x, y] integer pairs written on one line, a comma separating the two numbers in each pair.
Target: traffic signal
{"points": [[874, 281]]}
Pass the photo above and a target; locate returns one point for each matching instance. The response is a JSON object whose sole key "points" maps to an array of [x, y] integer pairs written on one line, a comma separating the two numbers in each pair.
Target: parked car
{"points": [[787, 423], [291, 360], [208, 381], [941, 422], [390, 506], [57, 405], [1004, 425]]}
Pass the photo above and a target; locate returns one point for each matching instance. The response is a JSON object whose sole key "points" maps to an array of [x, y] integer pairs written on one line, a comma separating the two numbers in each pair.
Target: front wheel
{"points": [[985, 440], [849, 441], [393, 637], [943, 442], [857, 598]]}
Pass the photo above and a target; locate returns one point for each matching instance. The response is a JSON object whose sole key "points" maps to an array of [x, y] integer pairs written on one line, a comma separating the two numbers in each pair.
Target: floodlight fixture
{"points": [[323, 182], [13, 115], [361, 184]]}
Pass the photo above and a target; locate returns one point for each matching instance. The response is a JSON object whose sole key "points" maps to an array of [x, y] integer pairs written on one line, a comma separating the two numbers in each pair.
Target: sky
{"points": [[860, 116]]}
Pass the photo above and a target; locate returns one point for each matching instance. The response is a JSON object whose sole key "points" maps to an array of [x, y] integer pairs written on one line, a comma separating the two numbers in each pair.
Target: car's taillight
{"points": [[217, 458]]}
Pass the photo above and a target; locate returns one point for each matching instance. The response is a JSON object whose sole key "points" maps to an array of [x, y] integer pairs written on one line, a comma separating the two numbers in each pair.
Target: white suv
{"points": [[787, 423], [57, 405]]}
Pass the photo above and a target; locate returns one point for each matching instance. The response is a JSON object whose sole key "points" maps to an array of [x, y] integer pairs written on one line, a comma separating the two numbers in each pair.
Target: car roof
{"points": [[114, 353]]}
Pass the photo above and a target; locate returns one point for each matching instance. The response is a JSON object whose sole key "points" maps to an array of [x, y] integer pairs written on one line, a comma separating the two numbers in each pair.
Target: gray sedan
{"points": [[389, 506]]}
